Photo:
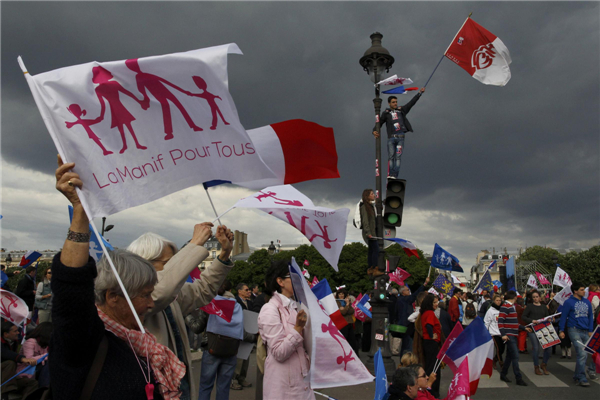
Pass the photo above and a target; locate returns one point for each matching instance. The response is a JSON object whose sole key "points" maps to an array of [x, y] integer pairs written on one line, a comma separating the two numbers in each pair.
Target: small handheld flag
{"points": [[441, 259]]}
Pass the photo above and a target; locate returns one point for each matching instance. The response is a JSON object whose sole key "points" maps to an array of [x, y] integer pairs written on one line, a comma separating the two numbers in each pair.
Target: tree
{"points": [[583, 267], [544, 256]]}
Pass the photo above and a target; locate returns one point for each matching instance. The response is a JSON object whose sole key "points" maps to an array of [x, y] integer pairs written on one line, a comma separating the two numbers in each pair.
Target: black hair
{"points": [[3, 267], [225, 287], [42, 334], [252, 286], [427, 303], [456, 290], [470, 296], [342, 290], [511, 294], [403, 378], [29, 269], [391, 98], [576, 286], [6, 327], [278, 269]]}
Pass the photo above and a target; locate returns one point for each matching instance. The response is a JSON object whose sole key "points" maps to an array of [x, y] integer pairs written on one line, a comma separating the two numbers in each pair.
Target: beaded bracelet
{"points": [[78, 237]]}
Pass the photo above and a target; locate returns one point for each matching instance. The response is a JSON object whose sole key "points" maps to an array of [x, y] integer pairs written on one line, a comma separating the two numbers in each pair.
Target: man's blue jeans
{"points": [[535, 351], [395, 154], [221, 368], [578, 338], [512, 356]]}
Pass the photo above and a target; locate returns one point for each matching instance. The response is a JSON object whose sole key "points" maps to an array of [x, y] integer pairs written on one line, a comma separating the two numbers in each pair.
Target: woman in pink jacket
{"points": [[36, 345], [281, 327]]}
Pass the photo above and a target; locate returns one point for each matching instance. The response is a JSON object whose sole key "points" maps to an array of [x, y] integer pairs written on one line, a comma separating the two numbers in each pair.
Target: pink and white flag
{"points": [[306, 263], [394, 80], [13, 308], [532, 282], [399, 276], [143, 128], [306, 274], [563, 295], [323, 227], [456, 331], [433, 291], [481, 53], [561, 278], [333, 363], [459, 388], [314, 281], [357, 312], [542, 279]]}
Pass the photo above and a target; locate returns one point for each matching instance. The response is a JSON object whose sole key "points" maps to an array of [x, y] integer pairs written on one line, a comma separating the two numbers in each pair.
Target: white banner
{"points": [[323, 227], [561, 278], [563, 295], [532, 281], [141, 129]]}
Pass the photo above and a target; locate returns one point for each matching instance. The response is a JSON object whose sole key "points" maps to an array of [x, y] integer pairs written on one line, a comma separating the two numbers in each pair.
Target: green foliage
{"points": [[543, 255]]}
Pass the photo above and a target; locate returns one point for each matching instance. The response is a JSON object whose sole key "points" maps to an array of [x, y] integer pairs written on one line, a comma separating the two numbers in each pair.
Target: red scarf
{"points": [[167, 368]]}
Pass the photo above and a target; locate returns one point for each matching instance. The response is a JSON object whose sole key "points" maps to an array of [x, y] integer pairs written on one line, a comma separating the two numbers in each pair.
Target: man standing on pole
{"points": [[397, 125]]}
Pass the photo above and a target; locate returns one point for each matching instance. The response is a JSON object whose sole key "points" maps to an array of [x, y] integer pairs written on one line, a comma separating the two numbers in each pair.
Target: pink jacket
{"points": [[287, 364], [30, 349]]}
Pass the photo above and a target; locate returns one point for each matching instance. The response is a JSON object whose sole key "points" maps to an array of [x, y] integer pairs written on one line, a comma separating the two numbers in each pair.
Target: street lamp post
{"points": [[108, 228], [272, 249], [375, 60]]}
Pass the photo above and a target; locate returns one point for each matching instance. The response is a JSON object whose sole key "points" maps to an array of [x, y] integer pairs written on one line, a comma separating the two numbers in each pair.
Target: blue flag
{"points": [[441, 259], [497, 283], [400, 90], [4, 278], [95, 248], [381, 383], [361, 305], [485, 283], [444, 284]]}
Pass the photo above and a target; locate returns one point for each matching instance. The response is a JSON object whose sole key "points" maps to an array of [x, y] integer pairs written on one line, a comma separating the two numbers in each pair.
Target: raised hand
{"points": [[202, 232], [67, 181], [301, 319], [225, 238]]}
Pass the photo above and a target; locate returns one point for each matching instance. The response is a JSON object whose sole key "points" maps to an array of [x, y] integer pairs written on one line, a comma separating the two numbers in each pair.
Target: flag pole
{"points": [[213, 206], [50, 126], [452, 41]]}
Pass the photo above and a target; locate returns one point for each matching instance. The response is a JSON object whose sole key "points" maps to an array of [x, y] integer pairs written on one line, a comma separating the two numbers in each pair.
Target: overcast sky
{"points": [[486, 166]]}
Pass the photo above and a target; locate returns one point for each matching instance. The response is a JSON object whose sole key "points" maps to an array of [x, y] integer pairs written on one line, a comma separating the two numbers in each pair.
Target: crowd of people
{"points": [[94, 347]]}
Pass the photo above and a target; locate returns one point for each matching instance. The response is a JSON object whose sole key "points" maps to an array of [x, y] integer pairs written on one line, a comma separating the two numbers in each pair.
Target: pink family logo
{"points": [[109, 91], [324, 233], [7, 302], [266, 195], [335, 333]]}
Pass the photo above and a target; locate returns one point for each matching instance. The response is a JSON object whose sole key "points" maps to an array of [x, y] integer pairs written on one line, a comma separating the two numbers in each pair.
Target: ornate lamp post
{"points": [[272, 249], [376, 60]]}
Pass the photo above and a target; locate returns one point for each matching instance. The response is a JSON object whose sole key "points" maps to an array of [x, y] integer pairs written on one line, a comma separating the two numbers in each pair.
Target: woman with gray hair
{"points": [[97, 349], [174, 298]]}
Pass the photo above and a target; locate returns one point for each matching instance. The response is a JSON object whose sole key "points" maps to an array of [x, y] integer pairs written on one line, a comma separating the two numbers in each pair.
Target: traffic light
{"points": [[380, 291], [393, 262], [394, 202]]}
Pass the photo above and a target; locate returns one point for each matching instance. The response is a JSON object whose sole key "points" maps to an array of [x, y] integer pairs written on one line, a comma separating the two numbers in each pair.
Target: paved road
{"points": [[557, 385]]}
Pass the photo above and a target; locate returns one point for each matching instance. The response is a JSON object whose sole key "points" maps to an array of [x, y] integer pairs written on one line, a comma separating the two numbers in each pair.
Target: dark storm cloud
{"points": [[526, 153]]}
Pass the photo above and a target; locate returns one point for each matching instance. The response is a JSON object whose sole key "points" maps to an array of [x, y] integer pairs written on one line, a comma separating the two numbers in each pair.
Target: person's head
{"points": [[510, 296], [199, 82], [421, 376], [225, 287], [243, 291], [41, 334], [2, 267], [10, 332], [578, 290], [404, 291], [536, 297], [407, 359], [405, 380], [138, 277], [429, 303], [100, 75], [457, 292], [31, 271], [520, 301], [484, 293], [394, 292], [278, 279], [48, 275], [253, 288], [341, 294], [133, 65], [154, 248], [593, 287], [486, 296], [420, 298], [497, 300], [76, 110], [393, 102], [470, 296]]}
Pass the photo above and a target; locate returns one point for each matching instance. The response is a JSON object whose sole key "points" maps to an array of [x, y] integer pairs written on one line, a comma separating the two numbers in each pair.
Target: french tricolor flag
{"points": [[327, 301], [29, 258], [409, 248], [476, 343]]}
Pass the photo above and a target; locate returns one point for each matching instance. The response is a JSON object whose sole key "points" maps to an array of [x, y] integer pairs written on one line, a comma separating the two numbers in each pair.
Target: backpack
{"points": [[357, 221], [470, 311]]}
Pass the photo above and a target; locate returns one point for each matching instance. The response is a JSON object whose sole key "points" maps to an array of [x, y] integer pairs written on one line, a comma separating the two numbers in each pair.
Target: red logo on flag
{"points": [[483, 57]]}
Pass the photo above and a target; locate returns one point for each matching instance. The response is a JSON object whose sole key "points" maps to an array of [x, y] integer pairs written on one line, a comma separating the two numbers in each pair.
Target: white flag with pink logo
{"points": [[143, 128], [333, 363], [563, 295], [325, 228], [542, 279], [13, 308], [561, 278], [532, 281]]}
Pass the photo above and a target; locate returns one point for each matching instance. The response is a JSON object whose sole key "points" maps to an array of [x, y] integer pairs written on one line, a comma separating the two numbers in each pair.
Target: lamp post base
{"points": [[380, 338]]}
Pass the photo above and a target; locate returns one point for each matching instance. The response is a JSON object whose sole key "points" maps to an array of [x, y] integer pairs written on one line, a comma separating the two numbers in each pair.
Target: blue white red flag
{"points": [[441, 259], [409, 248], [29, 258], [381, 382], [95, 248], [394, 80], [497, 283], [476, 343], [327, 300], [364, 306], [332, 361], [492, 265], [400, 90]]}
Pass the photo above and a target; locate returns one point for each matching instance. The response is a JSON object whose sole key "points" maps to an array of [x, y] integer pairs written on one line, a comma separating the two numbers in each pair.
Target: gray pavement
{"points": [[558, 385]]}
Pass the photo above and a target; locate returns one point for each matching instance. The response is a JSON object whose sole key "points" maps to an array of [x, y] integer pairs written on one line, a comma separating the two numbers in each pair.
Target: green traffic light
{"points": [[382, 296], [392, 218]]}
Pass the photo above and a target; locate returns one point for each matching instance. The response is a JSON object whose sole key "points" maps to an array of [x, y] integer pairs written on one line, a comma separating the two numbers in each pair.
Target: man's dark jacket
{"points": [[9, 352], [404, 306], [244, 307], [25, 290], [386, 116]]}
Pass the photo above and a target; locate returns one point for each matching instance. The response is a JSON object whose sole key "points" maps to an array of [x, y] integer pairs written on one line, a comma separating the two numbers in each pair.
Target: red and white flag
{"points": [[306, 274], [358, 312], [220, 308], [323, 227], [394, 80], [13, 308], [532, 282], [542, 279], [561, 278], [481, 53], [306, 263], [399, 276]]}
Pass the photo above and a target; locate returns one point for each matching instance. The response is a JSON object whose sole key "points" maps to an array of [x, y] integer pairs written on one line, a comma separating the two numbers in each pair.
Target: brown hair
{"points": [[408, 359], [366, 202]]}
